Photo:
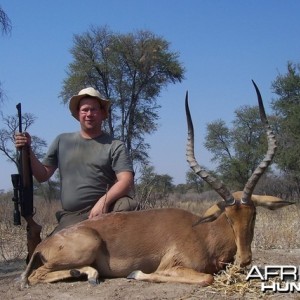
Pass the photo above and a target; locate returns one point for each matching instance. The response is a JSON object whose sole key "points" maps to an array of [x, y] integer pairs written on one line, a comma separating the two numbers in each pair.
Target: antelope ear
{"points": [[269, 202], [212, 213]]}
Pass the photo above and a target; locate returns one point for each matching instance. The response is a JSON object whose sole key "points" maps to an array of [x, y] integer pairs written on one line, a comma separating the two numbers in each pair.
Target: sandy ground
{"points": [[130, 289]]}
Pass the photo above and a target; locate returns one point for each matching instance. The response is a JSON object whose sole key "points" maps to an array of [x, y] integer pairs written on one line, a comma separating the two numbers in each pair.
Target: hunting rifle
{"points": [[23, 194]]}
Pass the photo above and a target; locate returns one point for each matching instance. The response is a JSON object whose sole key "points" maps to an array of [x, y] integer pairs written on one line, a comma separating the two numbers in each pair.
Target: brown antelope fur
{"points": [[159, 245]]}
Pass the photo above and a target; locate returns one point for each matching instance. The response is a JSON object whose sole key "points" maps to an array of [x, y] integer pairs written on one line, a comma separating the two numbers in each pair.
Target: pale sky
{"points": [[222, 45]]}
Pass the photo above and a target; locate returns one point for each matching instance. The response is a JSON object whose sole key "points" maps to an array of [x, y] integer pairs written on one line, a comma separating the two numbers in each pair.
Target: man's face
{"points": [[90, 113]]}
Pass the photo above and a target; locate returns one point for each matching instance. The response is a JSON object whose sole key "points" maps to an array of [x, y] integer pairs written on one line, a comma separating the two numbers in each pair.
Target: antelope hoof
{"points": [[134, 275], [23, 282], [93, 281], [24, 285]]}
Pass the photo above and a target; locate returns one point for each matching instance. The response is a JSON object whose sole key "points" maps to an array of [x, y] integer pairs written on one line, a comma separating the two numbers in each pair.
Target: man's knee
{"points": [[125, 204], [66, 218]]}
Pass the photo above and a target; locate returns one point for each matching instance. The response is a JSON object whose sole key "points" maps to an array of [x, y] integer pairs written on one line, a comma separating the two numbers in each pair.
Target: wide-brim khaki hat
{"points": [[88, 92]]}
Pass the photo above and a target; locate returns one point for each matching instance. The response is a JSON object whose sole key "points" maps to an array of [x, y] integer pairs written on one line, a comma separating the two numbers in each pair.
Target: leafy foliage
{"points": [[153, 189], [238, 149], [287, 109]]}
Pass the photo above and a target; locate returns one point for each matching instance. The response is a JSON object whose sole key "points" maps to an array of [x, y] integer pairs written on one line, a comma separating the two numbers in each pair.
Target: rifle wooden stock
{"points": [[26, 194]]}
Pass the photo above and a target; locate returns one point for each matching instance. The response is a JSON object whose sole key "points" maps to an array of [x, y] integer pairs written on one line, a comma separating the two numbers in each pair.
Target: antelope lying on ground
{"points": [[159, 245]]}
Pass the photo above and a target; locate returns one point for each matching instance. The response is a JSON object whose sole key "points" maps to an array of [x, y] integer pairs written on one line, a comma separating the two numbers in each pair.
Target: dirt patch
{"points": [[131, 289]]}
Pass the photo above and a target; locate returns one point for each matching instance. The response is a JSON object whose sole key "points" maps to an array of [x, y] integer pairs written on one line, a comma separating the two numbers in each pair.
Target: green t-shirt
{"points": [[87, 167]]}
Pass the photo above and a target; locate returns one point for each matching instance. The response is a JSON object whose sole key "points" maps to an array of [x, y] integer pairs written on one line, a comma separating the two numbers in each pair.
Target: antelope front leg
{"points": [[43, 275], [175, 274]]}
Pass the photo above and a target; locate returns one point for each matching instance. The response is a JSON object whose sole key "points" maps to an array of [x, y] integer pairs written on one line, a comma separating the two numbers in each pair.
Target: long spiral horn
{"points": [[216, 184], [259, 171]]}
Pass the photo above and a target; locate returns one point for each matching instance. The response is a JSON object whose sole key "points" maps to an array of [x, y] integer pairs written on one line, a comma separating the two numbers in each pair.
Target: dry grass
{"points": [[278, 229], [13, 238], [232, 281]]}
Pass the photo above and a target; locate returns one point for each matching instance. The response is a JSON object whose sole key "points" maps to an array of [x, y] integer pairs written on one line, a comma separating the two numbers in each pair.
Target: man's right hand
{"points": [[22, 139]]}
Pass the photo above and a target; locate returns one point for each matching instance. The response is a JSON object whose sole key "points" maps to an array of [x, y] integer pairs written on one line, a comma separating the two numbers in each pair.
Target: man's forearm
{"points": [[118, 190], [39, 171], [121, 188]]}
